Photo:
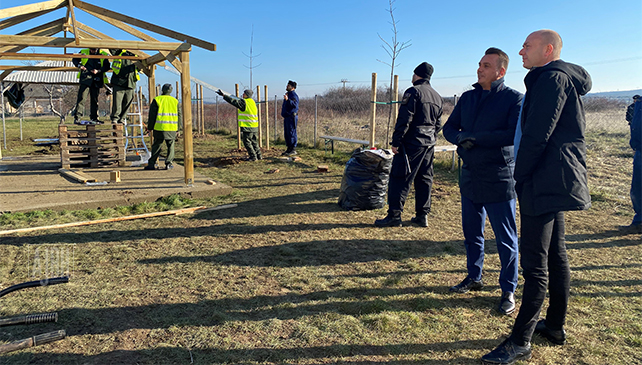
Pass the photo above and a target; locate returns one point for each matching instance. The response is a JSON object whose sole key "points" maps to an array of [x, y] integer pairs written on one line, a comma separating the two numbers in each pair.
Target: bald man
{"points": [[550, 178]]}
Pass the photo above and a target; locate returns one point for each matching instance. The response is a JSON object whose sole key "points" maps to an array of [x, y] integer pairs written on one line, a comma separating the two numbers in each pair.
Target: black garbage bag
{"points": [[365, 180]]}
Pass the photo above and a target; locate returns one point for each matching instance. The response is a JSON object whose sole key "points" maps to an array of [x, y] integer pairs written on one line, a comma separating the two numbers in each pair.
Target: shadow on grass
{"points": [[320, 253], [181, 355]]}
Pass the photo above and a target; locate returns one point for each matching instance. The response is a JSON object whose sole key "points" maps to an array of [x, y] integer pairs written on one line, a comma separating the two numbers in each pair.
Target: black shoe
{"points": [[250, 159], [558, 337], [150, 167], [291, 153], [420, 220], [259, 157], [631, 228], [507, 303], [507, 353], [467, 285], [169, 166], [388, 221]]}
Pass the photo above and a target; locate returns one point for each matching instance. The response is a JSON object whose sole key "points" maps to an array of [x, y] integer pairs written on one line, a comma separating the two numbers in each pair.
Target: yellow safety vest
{"points": [[117, 64], [83, 61], [167, 118], [249, 117]]}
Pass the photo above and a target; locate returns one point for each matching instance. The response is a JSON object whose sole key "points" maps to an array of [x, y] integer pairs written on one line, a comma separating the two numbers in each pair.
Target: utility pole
{"points": [[344, 81]]}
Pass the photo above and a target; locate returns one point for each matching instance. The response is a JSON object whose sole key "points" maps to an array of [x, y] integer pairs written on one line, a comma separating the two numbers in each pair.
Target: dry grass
{"points": [[289, 278]]}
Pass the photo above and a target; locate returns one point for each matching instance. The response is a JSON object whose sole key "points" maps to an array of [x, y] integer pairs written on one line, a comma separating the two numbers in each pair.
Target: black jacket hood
{"points": [[578, 75]]}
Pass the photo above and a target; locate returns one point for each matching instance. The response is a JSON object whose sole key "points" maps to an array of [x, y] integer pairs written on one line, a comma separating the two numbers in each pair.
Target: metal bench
{"points": [[330, 140]]}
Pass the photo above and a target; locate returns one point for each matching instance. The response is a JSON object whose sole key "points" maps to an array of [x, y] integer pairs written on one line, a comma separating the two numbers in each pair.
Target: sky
{"points": [[319, 43]]}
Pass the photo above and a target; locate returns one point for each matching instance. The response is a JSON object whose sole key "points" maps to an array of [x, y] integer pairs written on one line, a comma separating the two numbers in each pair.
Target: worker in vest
{"points": [[164, 120], [92, 77], [248, 121], [123, 82]]}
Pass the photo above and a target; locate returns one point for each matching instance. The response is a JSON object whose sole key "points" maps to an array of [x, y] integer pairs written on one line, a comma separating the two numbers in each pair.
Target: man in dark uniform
{"points": [[631, 108], [289, 112], [92, 78], [413, 143]]}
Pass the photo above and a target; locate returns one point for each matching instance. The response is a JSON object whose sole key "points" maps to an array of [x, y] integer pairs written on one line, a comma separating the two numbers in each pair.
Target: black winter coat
{"points": [[550, 168], [419, 118], [490, 117]]}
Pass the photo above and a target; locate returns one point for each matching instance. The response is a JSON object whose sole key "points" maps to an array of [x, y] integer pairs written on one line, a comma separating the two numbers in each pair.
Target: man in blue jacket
{"points": [[550, 178], [482, 125], [290, 114], [636, 182]]}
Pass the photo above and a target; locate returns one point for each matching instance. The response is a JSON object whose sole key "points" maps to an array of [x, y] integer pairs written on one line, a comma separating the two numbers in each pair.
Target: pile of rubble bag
{"points": [[365, 179]]}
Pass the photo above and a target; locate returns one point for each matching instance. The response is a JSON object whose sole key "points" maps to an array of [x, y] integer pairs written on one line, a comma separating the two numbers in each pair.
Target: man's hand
{"points": [[285, 97], [394, 150], [220, 92], [467, 143]]}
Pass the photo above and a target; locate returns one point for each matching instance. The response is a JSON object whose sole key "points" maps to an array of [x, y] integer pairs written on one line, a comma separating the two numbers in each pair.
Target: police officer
{"points": [[248, 121], [164, 119], [123, 81], [92, 76], [413, 143]]}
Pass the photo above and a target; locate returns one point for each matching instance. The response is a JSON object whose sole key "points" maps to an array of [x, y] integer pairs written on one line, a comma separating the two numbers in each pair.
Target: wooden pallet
{"points": [[91, 145]]}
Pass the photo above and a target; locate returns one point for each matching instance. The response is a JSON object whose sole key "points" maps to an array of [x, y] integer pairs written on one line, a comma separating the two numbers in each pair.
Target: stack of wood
{"points": [[92, 145]]}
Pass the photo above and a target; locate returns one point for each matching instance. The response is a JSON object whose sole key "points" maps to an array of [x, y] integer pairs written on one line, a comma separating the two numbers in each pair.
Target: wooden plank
{"points": [[119, 219], [100, 35], [145, 25], [34, 41], [67, 56], [22, 18], [37, 68], [342, 139], [32, 8], [77, 175], [72, 16], [188, 148], [48, 29]]}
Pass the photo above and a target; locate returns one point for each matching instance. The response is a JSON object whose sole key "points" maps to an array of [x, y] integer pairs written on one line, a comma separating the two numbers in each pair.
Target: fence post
{"points": [[202, 110], [258, 114], [373, 109], [217, 113], [238, 127], [275, 132], [316, 121], [267, 118]]}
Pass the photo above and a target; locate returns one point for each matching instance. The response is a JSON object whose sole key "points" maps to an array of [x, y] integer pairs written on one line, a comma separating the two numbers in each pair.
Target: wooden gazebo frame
{"points": [[176, 53]]}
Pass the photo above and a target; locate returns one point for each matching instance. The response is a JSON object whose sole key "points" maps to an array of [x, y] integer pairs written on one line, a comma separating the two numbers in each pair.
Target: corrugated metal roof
{"points": [[46, 77]]}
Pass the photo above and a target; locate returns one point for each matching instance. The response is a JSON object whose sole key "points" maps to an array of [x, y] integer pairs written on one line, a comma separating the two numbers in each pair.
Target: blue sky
{"points": [[318, 43]]}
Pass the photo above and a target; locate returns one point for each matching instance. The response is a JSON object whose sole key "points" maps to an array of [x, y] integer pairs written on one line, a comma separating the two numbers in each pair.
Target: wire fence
{"points": [[346, 113]]}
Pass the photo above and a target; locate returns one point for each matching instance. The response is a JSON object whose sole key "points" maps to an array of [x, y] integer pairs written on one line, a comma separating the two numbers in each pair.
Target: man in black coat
{"points": [[92, 77], [482, 125], [550, 175], [413, 143]]}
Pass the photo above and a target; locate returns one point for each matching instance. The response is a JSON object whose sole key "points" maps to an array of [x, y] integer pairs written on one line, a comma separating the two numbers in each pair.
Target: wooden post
{"points": [[202, 111], [178, 91], [151, 84], [258, 114], [267, 118], [395, 97], [197, 117], [187, 119], [238, 127], [373, 109]]}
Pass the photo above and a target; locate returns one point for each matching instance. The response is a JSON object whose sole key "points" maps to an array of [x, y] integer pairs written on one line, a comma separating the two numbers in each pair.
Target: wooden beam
{"points": [[32, 8], [53, 57], [4, 75], [44, 30], [145, 25], [22, 18], [37, 68], [34, 41], [100, 35], [72, 16]]}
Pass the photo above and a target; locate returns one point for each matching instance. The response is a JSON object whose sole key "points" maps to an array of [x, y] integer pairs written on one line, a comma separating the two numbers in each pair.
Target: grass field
{"points": [[287, 277]]}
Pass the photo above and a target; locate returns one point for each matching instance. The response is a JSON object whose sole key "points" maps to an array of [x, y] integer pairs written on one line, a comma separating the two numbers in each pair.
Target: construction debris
{"points": [[77, 175], [322, 168], [271, 171]]}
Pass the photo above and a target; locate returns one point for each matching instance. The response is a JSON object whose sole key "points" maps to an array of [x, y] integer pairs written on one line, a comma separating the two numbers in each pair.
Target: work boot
{"points": [[287, 150], [420, 220], [389, 221], [169, 166], [291, 153], [150, 167], [557, 337]]}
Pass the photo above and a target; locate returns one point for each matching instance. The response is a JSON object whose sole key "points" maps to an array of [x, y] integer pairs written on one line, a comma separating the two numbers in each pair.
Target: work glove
{"points": [[466, 140], [220, 92]]}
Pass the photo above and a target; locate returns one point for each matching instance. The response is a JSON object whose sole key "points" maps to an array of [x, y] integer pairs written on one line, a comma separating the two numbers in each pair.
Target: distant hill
{"points": [[627, 94]]}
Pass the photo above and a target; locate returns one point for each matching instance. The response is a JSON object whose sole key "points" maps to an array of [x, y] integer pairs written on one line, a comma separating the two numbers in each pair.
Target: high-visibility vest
{"points": [[249, 117], [83, 61], [117, 64], [167, 118]]}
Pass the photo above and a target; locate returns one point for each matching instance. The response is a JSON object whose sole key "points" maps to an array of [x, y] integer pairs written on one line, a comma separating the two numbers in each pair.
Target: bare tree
{"points": [[251, 56], [392, 48], [50, 91]]}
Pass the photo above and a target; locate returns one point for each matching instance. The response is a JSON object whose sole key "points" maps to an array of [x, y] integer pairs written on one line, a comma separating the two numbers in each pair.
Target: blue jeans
{"points": [[502, 218], [636, 187]]}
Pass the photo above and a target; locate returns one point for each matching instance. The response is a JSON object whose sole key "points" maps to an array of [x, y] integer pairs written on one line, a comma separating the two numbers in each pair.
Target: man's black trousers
{"points": [[544, 262], [411, 164]]}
